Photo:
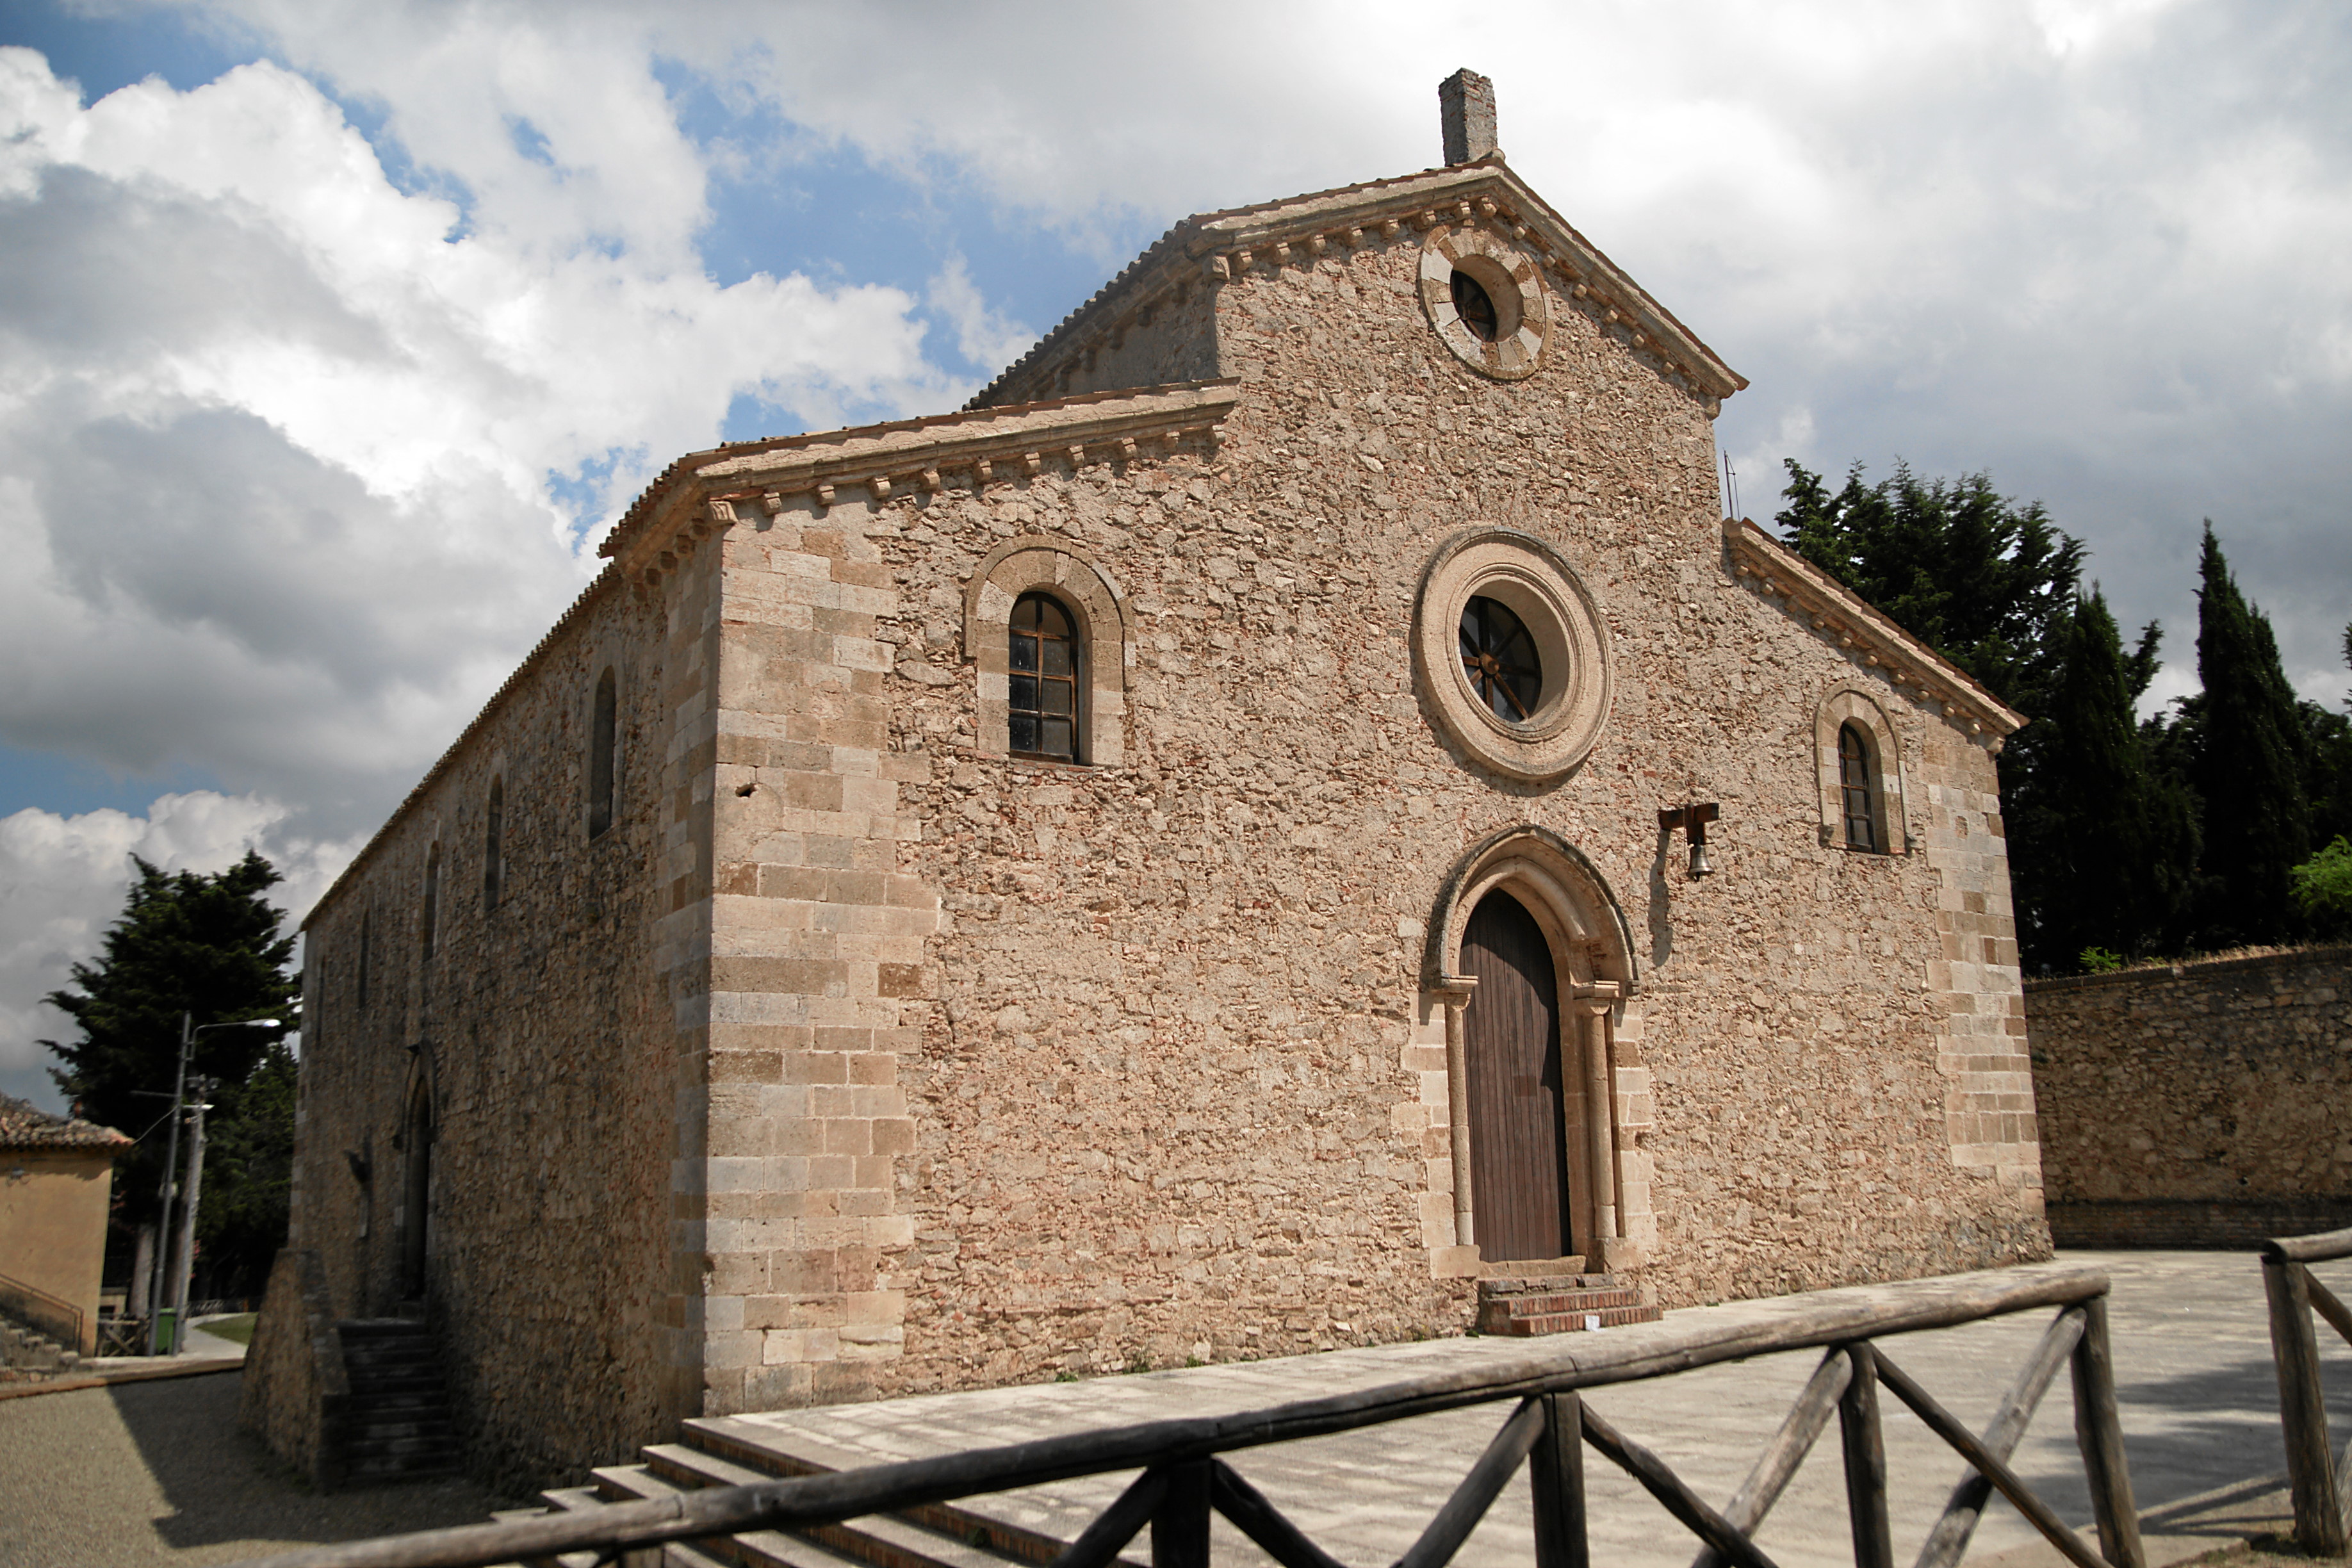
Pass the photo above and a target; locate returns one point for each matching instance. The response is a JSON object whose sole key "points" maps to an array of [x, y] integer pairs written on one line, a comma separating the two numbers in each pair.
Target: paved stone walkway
{"points": [[2191, 1345]]}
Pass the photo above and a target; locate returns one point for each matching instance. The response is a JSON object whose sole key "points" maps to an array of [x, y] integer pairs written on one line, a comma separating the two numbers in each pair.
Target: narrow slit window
{"points": [[494, 815], [1854, 789], [1043, 688], [432, 898], [603, 739]]}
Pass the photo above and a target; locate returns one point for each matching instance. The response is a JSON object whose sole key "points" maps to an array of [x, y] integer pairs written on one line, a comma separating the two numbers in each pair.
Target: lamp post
{"points": [[189, 1030]]}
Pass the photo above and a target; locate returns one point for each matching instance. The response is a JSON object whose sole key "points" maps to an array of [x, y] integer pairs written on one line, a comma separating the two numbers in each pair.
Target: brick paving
{"points": [[2193, 1349]]}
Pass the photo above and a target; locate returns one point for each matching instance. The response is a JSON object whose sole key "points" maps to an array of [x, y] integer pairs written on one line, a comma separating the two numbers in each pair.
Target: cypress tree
{"points": [[2113, 842], [2249, 767]]}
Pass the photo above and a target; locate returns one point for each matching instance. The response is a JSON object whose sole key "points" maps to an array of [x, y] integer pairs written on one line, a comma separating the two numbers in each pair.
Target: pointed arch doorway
{"points": [[1520, 1108]]}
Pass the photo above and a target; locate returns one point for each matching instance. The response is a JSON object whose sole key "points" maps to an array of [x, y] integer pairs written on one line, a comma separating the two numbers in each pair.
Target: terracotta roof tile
{"points": [[24, 1125]]}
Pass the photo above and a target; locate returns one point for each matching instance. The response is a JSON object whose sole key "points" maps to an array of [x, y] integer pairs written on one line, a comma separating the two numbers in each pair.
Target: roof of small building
{"points": [[24, 1125]]}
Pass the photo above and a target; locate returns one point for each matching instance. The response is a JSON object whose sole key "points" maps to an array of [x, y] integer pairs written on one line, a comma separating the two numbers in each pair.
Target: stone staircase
{"points": [[1560, 1304], [28, 1355], [397, 1423], [939, 1536]]}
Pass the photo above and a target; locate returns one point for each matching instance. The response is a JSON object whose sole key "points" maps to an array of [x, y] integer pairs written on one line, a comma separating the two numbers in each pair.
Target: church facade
{"points": [[1189, 857]]}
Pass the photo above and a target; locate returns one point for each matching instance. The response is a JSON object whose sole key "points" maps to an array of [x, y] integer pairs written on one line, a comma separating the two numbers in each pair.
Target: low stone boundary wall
{"points": [[2205, 1104]]}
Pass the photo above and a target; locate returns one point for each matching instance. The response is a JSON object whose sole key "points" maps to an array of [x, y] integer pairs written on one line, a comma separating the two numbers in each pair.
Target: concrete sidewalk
{"points": [[2191, 1345]]}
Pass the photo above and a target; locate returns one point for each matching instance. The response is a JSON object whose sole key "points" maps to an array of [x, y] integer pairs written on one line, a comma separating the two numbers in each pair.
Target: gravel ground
{"points": [[160, 1472]]}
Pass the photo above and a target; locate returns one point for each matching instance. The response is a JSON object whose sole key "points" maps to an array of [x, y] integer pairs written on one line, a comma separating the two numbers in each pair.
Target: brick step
{"points": [[399, 1466], [1495, 1317], [363, 1433], [1523, 1284], [410, 1380], [1572, 1322], [431, 1398]]}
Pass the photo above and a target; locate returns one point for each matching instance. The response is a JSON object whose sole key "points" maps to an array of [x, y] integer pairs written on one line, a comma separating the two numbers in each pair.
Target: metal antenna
{"points": [[1730, 488]]}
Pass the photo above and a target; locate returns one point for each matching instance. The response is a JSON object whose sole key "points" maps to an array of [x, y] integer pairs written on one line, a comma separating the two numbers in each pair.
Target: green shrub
{"points": [[2099, 960]]}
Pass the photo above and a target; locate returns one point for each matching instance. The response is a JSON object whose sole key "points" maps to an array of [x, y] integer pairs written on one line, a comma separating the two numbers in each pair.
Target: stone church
{"points": [[1292, 802]]}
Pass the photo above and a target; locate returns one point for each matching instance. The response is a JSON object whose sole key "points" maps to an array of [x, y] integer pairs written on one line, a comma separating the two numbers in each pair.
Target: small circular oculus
{"points": [[1485, 299]]}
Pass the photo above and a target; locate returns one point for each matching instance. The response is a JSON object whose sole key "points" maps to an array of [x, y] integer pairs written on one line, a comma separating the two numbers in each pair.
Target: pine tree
{"points": [[209, 945], [2249, 766]]}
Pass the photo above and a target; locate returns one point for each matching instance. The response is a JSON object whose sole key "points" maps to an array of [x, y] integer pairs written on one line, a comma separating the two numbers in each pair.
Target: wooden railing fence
{"points": [[2317, 1480], [1185, 1476]]}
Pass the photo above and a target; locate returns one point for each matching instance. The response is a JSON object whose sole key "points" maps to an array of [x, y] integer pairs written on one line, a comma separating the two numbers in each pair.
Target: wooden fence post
{"points": [[2319, 1525], [1179, 1528], [1556, 1467], [2099, 1433], [1865, 1462]]}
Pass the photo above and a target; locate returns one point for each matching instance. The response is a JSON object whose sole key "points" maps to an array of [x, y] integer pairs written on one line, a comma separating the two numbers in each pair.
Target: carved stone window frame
{"points": [[1510, 278], [1038, 563], [1534, 581], [1849, 704]]}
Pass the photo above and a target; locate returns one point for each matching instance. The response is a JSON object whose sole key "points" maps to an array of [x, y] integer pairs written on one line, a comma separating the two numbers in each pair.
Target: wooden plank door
{"points": [[1518, 1171]]}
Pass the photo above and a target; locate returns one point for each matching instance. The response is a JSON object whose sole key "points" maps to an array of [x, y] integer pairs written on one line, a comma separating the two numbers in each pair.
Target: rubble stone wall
{"points": [[541, 1033], [2195, 1104], [1160, 1078]]}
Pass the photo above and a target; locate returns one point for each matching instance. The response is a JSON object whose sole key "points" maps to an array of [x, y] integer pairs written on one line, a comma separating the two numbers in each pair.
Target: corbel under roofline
{"points": [[1842, 617], [912, 453]]}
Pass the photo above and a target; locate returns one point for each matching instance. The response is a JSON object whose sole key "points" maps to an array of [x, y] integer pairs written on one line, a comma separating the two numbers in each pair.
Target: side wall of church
{"points": [[538, 1032], [1156, 1078]]}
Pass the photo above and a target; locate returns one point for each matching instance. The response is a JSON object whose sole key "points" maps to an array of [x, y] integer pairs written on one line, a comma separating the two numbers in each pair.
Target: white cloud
{"points": [[276, 430], [983, 335], [62, 882]]}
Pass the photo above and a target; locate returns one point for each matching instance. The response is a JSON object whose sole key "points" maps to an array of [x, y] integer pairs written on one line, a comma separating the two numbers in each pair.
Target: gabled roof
{"points": [[1218, 241], [1842, 617], [24, 1125]]}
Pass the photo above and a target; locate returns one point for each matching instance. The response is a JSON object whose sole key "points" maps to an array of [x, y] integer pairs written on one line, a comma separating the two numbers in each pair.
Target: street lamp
{"points": [[189, 1030]]}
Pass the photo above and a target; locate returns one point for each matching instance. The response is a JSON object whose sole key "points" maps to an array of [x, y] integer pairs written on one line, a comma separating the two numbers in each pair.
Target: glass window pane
{"points": [[1024, 692], [1056, 696], [1025, 614], [1024, 732], [1058, 738], [1052, 618], [1056, 658], [1024, 652]]}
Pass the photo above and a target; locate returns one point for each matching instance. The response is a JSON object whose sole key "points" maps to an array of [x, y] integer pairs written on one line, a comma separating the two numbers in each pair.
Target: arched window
{"points": [[432, 897], [603, 740], [1855, 797], [494, 814], [1042, 691]]}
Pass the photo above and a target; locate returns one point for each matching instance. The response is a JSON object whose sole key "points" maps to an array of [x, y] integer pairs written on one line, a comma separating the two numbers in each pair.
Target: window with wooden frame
{"points": [[1857, 798], [1042, 679], [1858, 759]]}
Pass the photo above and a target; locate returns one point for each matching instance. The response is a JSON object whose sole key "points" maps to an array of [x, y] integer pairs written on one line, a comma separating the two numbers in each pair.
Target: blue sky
{"points": [[339, 331]]}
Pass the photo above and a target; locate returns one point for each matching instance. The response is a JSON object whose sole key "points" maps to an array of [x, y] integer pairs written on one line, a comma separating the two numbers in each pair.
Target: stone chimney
{"points": [[1466, 103]]}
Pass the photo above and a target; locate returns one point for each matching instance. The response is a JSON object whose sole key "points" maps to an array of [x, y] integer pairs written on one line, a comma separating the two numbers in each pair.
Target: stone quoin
{"points": [[1164, 864]]}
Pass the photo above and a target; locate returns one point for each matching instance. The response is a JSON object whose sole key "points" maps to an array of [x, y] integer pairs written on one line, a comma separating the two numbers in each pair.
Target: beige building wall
{"points": [[53, 1208]]}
